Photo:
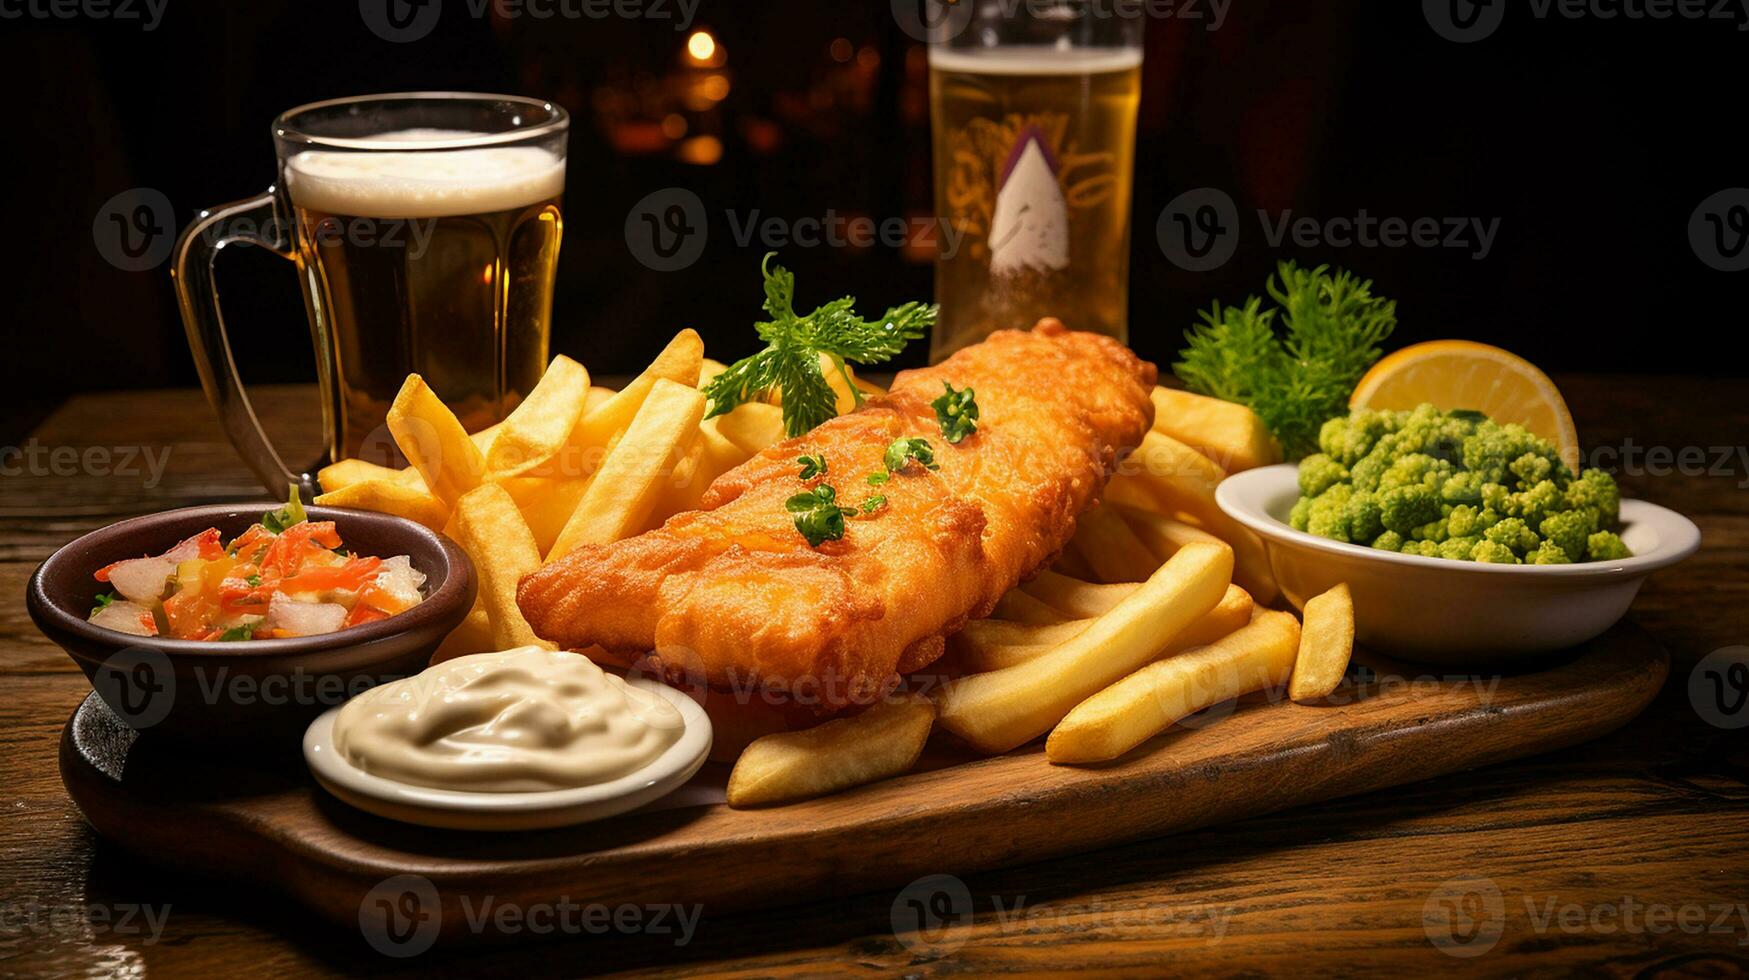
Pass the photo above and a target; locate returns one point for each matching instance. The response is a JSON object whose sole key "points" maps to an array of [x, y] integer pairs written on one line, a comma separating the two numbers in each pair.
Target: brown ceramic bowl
{"points": [[215, 692]]}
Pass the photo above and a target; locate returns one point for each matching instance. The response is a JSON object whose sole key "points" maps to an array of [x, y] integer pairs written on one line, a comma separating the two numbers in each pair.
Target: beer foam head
{"points": [[426, 184], [1035, 59]]}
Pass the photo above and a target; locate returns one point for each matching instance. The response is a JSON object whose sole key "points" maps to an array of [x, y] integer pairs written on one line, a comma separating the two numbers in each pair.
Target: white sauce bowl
{"points": [[471, 810], [1456, 612]]}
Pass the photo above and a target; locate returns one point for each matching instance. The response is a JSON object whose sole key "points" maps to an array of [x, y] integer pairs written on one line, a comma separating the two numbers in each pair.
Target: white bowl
{"points": [[470, 810], [1456, 612]]}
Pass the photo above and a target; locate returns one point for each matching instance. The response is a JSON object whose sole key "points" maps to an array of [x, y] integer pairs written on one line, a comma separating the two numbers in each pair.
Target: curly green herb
{"points": [[903, 451], [817, 515], [957, 411], [812, 466]]}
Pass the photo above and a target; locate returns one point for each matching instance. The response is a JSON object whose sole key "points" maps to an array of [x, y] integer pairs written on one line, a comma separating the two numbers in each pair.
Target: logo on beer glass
{"points": [[927, 912], [1718, 230], [135, 230], [400, 21], [932, 21], [400, 916], [667, 230], [1199, 229], [1463, 21]]}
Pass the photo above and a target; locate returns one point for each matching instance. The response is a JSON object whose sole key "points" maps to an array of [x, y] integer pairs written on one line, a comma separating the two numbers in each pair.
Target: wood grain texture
{"points": [[1654, 812]]}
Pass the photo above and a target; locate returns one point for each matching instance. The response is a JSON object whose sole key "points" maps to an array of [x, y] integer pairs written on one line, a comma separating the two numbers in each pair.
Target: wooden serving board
{"points": [[266, 823]]}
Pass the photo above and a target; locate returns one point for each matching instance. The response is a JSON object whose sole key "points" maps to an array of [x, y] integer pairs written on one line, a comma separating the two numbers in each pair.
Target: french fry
{"points": [[546, 504], [1070, 563], [881, 742], [390, 497], [474, 635], [429, 435], [1326, 643], [712, 455], [1231, 613], [1145, 703], [491, 530], [1227, 433], [1018, 607], [598, 396], [602, 425], [539, 427], [1001, 633], [1161, 457], [752, 426], [625, 489], [349, 471], [1113, 550], [483, 439], [1163, 535], [1251, 562], [1002, 709], [1074, 597], [708, 369]]}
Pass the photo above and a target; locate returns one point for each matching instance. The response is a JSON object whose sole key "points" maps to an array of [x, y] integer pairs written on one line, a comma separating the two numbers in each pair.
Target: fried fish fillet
{"points": [[732, 595]]}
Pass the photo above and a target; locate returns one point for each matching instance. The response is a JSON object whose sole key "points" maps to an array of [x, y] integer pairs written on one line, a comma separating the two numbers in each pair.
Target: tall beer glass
{"points": [[1033, 113], [425, 228]]}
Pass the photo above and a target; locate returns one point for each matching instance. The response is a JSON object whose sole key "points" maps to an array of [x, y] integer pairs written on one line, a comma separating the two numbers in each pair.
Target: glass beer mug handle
{"points": [[255, 222]]}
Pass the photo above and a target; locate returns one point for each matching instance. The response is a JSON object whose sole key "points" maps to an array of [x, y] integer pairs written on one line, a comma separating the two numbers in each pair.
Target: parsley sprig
{"points": [[1334, 325], [957, 411], [790, 361], [818, 516], [903, 451], [276, 521], [812, 466]]}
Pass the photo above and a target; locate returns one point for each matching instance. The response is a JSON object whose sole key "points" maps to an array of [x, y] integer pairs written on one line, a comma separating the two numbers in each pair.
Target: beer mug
{"points": [[1033, 113], [425, 228]]}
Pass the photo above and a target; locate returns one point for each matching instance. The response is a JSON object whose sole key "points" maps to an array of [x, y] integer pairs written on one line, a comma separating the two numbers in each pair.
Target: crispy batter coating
{"points": [[733, 596]]}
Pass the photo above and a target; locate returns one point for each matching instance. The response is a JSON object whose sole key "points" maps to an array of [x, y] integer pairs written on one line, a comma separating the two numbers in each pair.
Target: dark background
{"points": [[1593, 141]]}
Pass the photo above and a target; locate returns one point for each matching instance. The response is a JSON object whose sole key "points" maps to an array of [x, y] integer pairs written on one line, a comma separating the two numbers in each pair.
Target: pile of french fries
{"points": [[573, 464], [1158, 608]]}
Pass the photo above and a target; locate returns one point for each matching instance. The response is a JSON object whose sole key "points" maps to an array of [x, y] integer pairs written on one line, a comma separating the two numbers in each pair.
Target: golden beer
{"points": [[439, 263], [1034, 163]]}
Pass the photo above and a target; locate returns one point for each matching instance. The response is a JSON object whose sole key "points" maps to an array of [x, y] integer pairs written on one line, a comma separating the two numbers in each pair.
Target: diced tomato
{"points": [[206, 544], [362, 614], [383, 601], [352, 576], [189, 614], [287, 553]]}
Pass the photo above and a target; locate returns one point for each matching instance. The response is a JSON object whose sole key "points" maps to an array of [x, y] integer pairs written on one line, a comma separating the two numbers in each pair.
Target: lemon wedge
{"points": [[1454, 374]]}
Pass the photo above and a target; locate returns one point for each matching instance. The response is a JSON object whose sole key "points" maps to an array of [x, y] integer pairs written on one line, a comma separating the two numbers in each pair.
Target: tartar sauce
{"points": [[521, 720]]}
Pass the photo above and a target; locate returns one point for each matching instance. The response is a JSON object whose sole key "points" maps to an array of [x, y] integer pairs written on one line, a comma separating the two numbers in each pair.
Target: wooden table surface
{"points": [[1628, 856]]}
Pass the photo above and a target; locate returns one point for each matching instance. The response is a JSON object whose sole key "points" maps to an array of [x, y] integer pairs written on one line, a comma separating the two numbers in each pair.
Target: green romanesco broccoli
{"points": [[1454, 485]]}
